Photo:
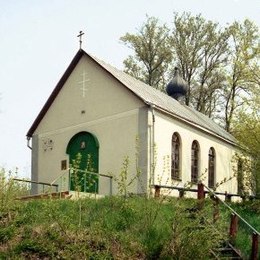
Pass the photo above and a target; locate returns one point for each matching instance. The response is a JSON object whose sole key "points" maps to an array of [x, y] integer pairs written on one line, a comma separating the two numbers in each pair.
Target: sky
{"points": [[38, 39]]}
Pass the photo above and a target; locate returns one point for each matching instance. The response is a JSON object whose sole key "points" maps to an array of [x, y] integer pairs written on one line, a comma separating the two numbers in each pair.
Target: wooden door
{"points": [[83, 155]]}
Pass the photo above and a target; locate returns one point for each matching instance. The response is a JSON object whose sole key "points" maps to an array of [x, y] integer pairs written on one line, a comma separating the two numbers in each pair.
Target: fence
{"points": [[182, 190], [63, 183], [238, 227], [40, 187]]}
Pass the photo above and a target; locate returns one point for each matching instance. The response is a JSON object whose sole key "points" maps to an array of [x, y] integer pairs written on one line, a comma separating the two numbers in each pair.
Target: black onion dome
{"points": [[177, 87]]}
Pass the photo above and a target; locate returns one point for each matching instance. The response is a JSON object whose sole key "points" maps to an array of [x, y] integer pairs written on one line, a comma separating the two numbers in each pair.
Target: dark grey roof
{"points": [[166, 103]]}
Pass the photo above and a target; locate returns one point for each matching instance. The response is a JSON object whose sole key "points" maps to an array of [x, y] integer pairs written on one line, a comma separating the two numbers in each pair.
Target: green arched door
{"points": [[83, 155]]}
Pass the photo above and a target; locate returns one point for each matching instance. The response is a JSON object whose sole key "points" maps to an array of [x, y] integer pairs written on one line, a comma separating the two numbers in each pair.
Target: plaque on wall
{"points": [[47, 144]]}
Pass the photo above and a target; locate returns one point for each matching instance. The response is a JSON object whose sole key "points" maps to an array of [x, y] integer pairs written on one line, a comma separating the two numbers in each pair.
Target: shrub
{"points": [[9, 189]]}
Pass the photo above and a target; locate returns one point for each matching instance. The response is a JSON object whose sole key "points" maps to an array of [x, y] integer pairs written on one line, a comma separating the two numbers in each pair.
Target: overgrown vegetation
{"points": [[9, 189], [111, 228], [250, 211], [249, 135], [119, 227]]}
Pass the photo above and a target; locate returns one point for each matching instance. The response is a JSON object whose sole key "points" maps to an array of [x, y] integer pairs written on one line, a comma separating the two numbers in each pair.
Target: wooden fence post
{"points": [[200, 195], [254, 250], [233, 227]]}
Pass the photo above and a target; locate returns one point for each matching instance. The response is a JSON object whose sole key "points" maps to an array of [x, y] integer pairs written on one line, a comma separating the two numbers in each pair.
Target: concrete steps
{"points": [[62, 195], [52, 195], [227, 251]]}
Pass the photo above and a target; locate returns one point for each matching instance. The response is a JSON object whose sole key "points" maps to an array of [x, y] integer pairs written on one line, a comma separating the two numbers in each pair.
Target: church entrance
{"points": [[83, 156]]}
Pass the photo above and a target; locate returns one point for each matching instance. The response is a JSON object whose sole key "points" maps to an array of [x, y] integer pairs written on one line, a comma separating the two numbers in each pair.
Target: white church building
{"points": [[117, 124]]}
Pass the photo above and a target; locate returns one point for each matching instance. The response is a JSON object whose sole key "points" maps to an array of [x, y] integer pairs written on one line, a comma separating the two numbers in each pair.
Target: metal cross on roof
{"points": [[80, 38]]}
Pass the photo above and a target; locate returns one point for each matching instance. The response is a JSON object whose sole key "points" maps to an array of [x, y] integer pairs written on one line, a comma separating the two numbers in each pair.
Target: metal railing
{"points": [[87, 177], [41, 187], [238, 226], [232, 210], [64, 181]]}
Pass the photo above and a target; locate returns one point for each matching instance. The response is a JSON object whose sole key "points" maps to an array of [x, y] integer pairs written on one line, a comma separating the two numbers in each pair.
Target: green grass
{"points": [[109, 228], [250, 211], [115, 227]]}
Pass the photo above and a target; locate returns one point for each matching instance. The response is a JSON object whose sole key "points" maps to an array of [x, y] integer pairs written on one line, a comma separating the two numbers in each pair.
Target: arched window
{"points": [[211, 168], [175, 166], [194, 161], [240, 187]]}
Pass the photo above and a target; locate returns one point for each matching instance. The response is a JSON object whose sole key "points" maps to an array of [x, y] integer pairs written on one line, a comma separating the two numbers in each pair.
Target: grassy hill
{"points": [[110, 228], [115, 227]]}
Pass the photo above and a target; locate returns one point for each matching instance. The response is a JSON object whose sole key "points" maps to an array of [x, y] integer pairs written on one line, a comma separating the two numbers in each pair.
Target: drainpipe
{"points": [[152, 146], [28, 143]]}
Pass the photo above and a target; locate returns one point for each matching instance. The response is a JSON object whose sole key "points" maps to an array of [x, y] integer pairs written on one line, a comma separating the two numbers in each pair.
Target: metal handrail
{"points": [[52, 183], [39, 183], [36, 182], [97, 174], [215, 194], [94, 173], [233, 211]]}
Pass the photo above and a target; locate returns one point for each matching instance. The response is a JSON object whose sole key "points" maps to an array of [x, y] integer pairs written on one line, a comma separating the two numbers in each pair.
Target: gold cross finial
{"points": [[80, 38]]}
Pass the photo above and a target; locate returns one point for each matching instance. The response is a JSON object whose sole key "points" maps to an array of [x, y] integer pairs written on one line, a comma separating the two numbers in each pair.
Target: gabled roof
{"points": [[147, 94]]}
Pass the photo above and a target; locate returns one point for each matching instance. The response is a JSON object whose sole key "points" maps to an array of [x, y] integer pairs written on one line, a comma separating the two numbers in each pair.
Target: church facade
{"points": [[101, 122]]}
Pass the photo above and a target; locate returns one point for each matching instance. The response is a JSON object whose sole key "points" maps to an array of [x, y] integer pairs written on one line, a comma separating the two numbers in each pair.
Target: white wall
{"points": [[165, 126], [116, 117], [111, 113]]}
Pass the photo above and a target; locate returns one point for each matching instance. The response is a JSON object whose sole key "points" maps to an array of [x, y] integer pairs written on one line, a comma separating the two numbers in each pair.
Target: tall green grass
{"points": [[250, 211], [109, 228], [118, 227], [9, 190]]}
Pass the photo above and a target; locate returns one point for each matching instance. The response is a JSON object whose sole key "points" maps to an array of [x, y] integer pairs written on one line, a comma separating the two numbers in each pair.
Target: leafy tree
{"points": [[241, 96], [220, 65], [241, 76], [247, 131], [199, 48], [152, 54]]}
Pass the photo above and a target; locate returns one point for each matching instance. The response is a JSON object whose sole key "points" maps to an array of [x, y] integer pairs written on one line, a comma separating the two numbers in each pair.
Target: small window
{"points": [[211, 168], [64, 165], [175, 158], [194, 162]]}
